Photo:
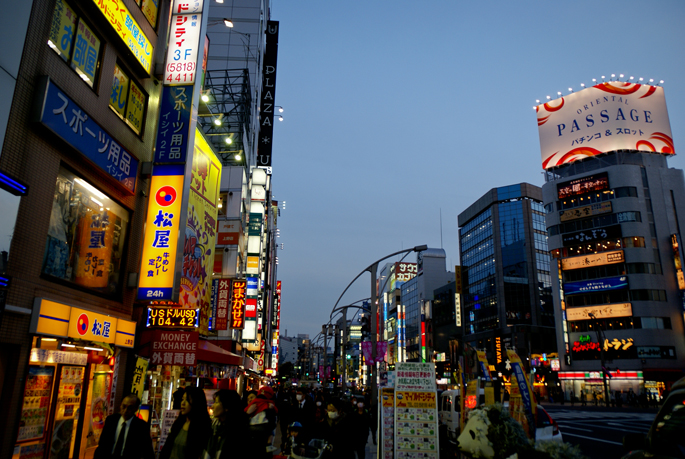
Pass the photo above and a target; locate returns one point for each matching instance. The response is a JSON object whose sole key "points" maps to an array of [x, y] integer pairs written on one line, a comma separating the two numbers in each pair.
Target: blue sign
{"points": [[600, 285], [65, 118], [173, 128], [252, 283]]}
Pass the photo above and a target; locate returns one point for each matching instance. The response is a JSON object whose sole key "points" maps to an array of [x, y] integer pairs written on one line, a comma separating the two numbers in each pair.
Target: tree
{"points": [[286, 369]]}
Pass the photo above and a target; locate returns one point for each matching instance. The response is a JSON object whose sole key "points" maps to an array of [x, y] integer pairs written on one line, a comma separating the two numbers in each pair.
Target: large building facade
{"points": [[506, 283], [614, 225]]}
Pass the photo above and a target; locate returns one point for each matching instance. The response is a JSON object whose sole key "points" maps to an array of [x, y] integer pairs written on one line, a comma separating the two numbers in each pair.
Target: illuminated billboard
{"points": [[610, 116], [604, 311], [592, 260], [585, 211], [583, 185]]}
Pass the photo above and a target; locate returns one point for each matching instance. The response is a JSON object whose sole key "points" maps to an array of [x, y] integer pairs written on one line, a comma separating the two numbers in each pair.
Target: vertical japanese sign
{"points": [[184, 41], [525, 395], [138, 382], [171, 145], [156, 280], [387, 422], [65, 118], [200, 230], [222, 303], [267, 101], [238, 293], [483, 361], [95, 254]]}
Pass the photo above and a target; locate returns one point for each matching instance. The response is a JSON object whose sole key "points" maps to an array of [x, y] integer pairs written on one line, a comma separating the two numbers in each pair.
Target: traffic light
{"points": [[366, 328]]}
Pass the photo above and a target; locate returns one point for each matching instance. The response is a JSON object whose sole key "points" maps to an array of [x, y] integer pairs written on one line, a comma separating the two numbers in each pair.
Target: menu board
{"points": [[67, 411], [387, 422], [34, 411]]}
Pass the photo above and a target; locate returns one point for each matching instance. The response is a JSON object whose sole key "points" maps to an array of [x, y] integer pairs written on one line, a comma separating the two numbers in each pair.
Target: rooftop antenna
{"points": [[441, 228]]}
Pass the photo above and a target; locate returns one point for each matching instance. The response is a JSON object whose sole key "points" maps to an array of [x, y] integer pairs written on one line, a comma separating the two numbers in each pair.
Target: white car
{"points": [[449, 414]]}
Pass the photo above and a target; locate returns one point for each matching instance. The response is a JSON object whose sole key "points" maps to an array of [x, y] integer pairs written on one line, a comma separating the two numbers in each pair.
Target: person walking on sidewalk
{"points": [[191, 430], [337, 431], [583, 398], [361, 425]]}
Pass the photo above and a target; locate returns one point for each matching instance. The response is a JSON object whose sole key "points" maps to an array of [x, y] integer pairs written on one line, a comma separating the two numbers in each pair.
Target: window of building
{"points": [[648, 295], [128, 100], [74, 41], [659, 323], [150, 9], [86, 237]]}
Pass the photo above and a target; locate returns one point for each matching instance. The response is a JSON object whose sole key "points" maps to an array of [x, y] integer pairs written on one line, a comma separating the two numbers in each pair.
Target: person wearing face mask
{"points": [[302, 409], [361, 425], [191, 430], [337, 431], [320, 413]]}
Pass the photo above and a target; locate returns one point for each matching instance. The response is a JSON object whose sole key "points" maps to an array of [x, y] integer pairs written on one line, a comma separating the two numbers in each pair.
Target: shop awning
{"points": [[210, 353]]}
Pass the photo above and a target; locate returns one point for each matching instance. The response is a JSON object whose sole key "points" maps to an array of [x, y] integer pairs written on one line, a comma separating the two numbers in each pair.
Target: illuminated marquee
{"points": [[238, 288], [586, 349], [583, 185], [586, 211], [606, 117], [173, 317]]}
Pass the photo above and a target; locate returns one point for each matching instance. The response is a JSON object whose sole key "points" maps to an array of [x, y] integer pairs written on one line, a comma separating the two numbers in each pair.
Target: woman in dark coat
{"points": [[337, 431], [191, 430], [230, 428]]}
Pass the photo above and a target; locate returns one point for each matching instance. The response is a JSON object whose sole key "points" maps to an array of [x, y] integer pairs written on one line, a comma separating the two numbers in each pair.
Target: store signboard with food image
{"points": [[67, 411], [36, 406]]}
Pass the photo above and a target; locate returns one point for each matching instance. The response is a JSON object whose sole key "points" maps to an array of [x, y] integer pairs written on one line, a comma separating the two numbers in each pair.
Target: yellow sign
{"points": [[600, 311], [57, 319], [591, 260], [138, 383], [586, 211], [136, 107], [200, 231], [156, 280], [62, 29], [411, 399], [123, 23], [252, 264], [120, 84]]}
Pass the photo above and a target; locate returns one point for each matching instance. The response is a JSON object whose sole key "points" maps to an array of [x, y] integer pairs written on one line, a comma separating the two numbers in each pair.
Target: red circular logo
{"points": [[82, 324], [165, 196]]}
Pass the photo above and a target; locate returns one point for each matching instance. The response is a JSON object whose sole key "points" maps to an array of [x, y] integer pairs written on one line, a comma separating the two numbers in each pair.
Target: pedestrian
{"points": [[191, 430], [619, 399], [583, 397], [262, 412], [302, 409], [230, 427], [177, 397], [594, 397], [336, 431], [320, 412], [573, 398], [294, 440], [361, 425], [125, 435]]}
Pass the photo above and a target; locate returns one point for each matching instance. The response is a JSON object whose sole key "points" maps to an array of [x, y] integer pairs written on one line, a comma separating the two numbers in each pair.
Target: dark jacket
{"points": [[138, 442], [303, 413], [338, 434], [198, 435], [361, 425], [231, 438]]}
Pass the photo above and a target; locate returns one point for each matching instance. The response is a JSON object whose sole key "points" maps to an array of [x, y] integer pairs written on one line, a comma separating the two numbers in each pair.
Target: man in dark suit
{"points": [[302, 409], [125, 435]]}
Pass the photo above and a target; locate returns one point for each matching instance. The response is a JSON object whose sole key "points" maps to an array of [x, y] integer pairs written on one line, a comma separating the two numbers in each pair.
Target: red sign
{"points": [[174, 348], [222, 302], [228, 232], [251, 308], [238, 304]]}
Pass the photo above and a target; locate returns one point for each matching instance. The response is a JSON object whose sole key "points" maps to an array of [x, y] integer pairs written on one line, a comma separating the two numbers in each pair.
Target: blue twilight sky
{"points": [[396, 111]]}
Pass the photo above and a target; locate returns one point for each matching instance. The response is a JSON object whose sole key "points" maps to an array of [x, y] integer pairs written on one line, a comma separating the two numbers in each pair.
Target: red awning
{"points": [[208, 352]]}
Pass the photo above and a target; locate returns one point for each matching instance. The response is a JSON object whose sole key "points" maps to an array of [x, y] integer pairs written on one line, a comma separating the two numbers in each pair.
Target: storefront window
{"points": [[86, 236]]}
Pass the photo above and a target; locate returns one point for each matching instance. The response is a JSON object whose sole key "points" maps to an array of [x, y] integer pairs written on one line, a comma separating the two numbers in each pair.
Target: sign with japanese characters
{"points": [[585, 211], [583, 185], [173, 128], [184, 41], [599, 285], [157, 268], [200, 231], [66, 119], [603, 311], [591, 235], [606, 117], [592, 260], [164, 317], [616, 348], [415, 376], [228, 232], [174, 348], [656, 352], [123, 23], [223, 301], [678, 260], [268, 99], [138, 380], [91, 326], [238, 296]]}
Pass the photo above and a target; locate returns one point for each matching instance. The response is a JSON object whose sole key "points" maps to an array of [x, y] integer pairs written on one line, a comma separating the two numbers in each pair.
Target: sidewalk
{"points": [[370, 447]]}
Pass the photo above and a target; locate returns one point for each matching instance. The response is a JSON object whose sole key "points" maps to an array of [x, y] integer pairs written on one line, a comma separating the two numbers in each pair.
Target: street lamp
{"points": [[600, 338], [373, 270]]}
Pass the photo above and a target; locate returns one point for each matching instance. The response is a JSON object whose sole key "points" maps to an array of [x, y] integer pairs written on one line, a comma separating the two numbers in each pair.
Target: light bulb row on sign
{"points": [[594, 82]]}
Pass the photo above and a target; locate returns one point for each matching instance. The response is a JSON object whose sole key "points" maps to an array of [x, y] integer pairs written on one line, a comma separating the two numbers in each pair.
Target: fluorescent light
{"points": [[205, 98], [229, 140], [228, 23], [92, 348], [67, 345], [217, 121], [90, 188], [48, 339]]}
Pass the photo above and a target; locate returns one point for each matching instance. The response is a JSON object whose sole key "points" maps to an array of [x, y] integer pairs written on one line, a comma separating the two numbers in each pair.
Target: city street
{"points": [[599, 431]]}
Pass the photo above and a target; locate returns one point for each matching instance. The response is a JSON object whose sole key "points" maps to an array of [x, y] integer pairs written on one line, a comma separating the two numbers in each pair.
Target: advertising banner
{"points": [[483, 361], [605, 311], [416, 425], [583, 185], [592, 260], [184, 41], [237, 319], [223, 293], [585, 211], [167, 317], [156, 281], [606, 117], [228, 232], [138, 382], [173, 129], [592, 235], [524, 389], [600, 285], [586, 349], [174, 348], [415, 376], [267, 102], [387, 422], [200, 231]]}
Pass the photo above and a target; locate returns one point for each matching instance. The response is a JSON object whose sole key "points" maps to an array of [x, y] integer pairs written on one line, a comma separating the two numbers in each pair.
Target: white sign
{"points": [[606, 117], [457, 308], [184, 41], [187, 6], [167, 421], [415, 376]]}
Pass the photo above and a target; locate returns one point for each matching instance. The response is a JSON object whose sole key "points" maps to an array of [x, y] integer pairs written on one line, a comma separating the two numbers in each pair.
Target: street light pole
{"points": [[600, 333]]}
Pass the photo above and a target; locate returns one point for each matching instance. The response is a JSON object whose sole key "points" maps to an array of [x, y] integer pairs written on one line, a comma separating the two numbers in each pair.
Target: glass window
{"points": [[9, 207], [128, 100], [74, 41], [86, 237], [150, 9]]}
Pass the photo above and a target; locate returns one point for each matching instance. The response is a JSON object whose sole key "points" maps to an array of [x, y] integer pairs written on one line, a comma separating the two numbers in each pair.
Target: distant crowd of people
{"points": [[245, 427], [616, 398]]}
